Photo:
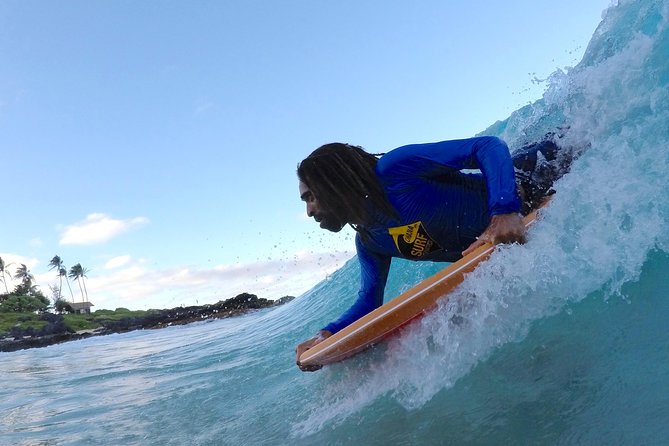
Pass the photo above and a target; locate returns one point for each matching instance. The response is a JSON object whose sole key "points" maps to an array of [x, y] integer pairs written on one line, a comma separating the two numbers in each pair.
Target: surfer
{"points": [[437, 201]]}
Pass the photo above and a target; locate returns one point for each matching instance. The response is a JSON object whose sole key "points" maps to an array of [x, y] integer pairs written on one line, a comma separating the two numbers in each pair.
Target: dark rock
{"points": [[283, 300]]}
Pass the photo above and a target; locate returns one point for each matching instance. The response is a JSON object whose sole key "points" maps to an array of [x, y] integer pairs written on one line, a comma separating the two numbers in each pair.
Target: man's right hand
{"points": [[306, 345], [503, 228]]}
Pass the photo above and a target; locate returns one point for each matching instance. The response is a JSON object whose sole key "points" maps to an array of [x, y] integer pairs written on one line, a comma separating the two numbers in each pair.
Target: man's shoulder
{"points": [[399, 161]]}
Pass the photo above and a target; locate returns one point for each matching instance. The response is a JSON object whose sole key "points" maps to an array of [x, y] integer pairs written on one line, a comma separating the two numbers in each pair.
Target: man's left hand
{"points": [[306, 345], [503, 228]]}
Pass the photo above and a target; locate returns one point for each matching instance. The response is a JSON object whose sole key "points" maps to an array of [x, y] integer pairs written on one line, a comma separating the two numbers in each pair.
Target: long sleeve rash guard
{"points": [[441, 209]]}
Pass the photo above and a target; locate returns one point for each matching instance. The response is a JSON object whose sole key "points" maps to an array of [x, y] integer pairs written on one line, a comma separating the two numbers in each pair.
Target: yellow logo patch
{"points": [[413, 241]]}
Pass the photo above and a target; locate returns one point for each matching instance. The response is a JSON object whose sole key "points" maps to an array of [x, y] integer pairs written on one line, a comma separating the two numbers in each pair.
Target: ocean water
{"points": [[563, 341]]}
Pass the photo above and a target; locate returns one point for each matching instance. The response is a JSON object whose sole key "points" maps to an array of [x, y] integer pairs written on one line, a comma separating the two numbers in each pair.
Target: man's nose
{"points": [[311, 209]]}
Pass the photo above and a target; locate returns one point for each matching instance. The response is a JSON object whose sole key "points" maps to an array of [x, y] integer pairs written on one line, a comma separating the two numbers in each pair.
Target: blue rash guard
{"points": [[441, 209]]}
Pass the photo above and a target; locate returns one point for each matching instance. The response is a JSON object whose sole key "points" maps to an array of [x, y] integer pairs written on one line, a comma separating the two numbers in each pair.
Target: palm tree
{"points": [[3, 270], [62, 272], [57, 264], [23, 274], [26, 278], [79, 272]]}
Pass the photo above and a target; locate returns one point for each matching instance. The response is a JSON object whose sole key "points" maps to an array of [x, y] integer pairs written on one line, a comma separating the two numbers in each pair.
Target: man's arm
{"points": [[373, 276], [487, 153]]}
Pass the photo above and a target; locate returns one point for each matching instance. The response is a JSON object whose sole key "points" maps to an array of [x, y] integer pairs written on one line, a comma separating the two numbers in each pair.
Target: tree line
{"points": [[26, 296]]}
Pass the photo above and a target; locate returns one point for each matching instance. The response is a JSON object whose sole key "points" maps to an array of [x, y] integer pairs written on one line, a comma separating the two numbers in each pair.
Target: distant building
{"points": [[82, 307]]}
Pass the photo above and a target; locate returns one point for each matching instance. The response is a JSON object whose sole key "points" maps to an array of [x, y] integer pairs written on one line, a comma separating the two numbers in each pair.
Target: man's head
{"points": [[327, 219], [332, 181], [336, 182]]}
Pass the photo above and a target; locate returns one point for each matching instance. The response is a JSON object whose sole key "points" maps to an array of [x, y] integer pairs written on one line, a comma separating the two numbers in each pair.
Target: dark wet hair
{"points": [[343, 179]]}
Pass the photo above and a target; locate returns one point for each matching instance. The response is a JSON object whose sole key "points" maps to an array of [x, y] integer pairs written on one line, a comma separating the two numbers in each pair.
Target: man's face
{"points": [[326, 219]]}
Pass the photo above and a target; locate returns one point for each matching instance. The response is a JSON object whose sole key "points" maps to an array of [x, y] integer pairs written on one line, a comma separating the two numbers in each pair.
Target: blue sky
{"points": [[156, 143]]}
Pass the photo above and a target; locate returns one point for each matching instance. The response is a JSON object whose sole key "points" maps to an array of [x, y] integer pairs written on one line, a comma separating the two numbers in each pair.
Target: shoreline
{"points": [[154, 319]]}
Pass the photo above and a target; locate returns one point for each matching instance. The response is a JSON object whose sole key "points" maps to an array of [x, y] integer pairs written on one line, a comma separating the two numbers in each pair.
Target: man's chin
{"points": [[332, 226]]}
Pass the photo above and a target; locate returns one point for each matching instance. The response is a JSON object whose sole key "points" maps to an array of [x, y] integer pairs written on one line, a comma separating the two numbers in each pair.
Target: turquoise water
{"points": [[561, 341]]}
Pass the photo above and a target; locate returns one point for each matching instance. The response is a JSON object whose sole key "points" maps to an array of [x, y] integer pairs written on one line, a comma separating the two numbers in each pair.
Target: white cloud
{"points": [[98, 228], [117, 262], [124, 281], [15, 260], [12, 262], [136, 287]]}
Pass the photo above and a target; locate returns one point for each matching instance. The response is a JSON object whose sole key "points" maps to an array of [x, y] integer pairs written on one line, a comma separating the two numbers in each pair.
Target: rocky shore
{"points": [[56, 330]]}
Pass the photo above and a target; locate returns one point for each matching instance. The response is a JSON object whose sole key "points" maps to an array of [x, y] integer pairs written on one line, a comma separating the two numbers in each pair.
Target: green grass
{"points": [[75, 322], [98, 318], [24, 320], [117, 314]]}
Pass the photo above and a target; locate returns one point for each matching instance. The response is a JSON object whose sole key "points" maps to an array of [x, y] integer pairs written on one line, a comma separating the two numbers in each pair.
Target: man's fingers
{"points": [[306, 368], [477, 244], [512, 238], [309, 368], [303, 347]]}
